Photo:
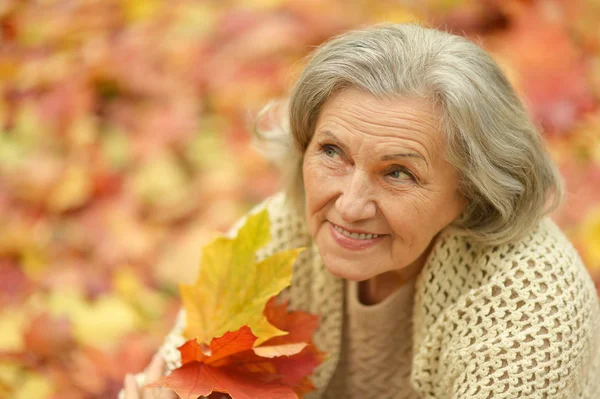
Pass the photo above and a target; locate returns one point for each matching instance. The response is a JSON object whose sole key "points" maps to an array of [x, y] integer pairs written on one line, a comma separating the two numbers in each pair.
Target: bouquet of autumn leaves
{"points": [[241, 342]]}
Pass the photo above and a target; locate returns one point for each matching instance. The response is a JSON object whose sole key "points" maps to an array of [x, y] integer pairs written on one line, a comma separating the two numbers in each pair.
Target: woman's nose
{"points": [[356, 202]]}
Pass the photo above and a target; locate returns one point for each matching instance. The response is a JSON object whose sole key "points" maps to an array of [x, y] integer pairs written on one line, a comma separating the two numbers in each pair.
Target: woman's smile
{"points": [[354, 240]]}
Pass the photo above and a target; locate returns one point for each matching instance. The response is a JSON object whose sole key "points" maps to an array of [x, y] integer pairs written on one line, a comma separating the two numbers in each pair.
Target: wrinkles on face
{"points": [[363, 170], [366, 143], [384, 126]]}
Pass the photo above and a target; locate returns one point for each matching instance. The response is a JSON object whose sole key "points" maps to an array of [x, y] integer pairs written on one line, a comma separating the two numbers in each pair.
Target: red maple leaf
{"points": [[278, 368]]}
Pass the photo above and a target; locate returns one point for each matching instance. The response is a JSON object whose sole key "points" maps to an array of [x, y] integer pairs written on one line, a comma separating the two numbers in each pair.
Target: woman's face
{"points": [[378, 187]]}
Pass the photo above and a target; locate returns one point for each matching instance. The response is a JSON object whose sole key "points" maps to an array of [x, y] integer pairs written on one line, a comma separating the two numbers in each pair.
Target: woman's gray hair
{"points": [[506, 173]]}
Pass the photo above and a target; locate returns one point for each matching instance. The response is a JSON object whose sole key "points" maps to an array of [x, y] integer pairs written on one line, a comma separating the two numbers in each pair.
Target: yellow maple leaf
{"points": [[231, 289]]}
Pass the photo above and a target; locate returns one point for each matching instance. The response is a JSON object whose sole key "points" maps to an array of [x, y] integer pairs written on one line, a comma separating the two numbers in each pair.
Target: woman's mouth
{"points": [[353, 240], [356, 236]]}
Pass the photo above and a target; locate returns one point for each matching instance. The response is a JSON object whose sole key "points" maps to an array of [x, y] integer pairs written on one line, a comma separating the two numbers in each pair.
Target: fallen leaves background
{"points": [[124, 145]]}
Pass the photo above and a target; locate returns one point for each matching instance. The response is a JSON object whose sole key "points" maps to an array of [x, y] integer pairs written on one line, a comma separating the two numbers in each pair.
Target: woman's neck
{"points": [[376, 289]]}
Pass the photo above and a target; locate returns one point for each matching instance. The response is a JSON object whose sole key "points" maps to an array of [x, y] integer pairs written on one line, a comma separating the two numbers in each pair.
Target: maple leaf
{"points": [[231, 289], [232, 364], [300, 327], [206, 379], [220, 371]]}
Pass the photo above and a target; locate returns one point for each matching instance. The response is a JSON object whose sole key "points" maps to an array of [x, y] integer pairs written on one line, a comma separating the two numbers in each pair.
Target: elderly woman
{"points": [[420, 188]]}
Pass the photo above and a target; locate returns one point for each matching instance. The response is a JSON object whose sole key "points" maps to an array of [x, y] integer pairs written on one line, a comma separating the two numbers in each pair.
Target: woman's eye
{"points": [[331, 150], [401, 174]]}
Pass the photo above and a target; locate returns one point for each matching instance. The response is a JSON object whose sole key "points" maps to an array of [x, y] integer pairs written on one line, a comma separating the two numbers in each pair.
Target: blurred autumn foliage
{"points": [[124, 145]]}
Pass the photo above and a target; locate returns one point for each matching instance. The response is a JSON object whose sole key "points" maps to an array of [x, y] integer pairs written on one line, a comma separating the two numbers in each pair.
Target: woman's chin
{"points": [[346, 272]]}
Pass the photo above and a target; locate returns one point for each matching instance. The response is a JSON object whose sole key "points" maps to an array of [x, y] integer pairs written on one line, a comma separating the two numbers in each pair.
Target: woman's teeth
{"points": [[355, 236]]}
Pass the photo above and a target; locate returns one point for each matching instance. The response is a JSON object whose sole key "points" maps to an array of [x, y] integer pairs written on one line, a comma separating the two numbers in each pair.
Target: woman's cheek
{"points": [[316, 169], [309, 171]]}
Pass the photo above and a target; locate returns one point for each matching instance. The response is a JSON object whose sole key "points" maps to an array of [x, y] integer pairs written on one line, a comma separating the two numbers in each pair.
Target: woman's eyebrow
{"points": [[338, 142], [404, 155], [390, 157]]}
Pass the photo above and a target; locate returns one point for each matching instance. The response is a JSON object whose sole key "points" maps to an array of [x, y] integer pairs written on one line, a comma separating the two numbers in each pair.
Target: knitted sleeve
{"points": [[530, 330]]}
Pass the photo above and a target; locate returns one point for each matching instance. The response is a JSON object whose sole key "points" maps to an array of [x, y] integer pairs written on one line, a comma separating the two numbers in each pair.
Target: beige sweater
{"points": [[520, 320], [386, 328]]}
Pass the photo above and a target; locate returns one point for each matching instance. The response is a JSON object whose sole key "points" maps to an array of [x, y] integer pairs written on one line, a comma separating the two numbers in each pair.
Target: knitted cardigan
{"points": [[519, 320]]}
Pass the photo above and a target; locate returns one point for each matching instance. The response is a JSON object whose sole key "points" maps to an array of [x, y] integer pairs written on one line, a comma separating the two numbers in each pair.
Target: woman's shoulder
{"points": [[544, 257], [537, 280], [541, 267], [544, 262], [508, 308]]}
